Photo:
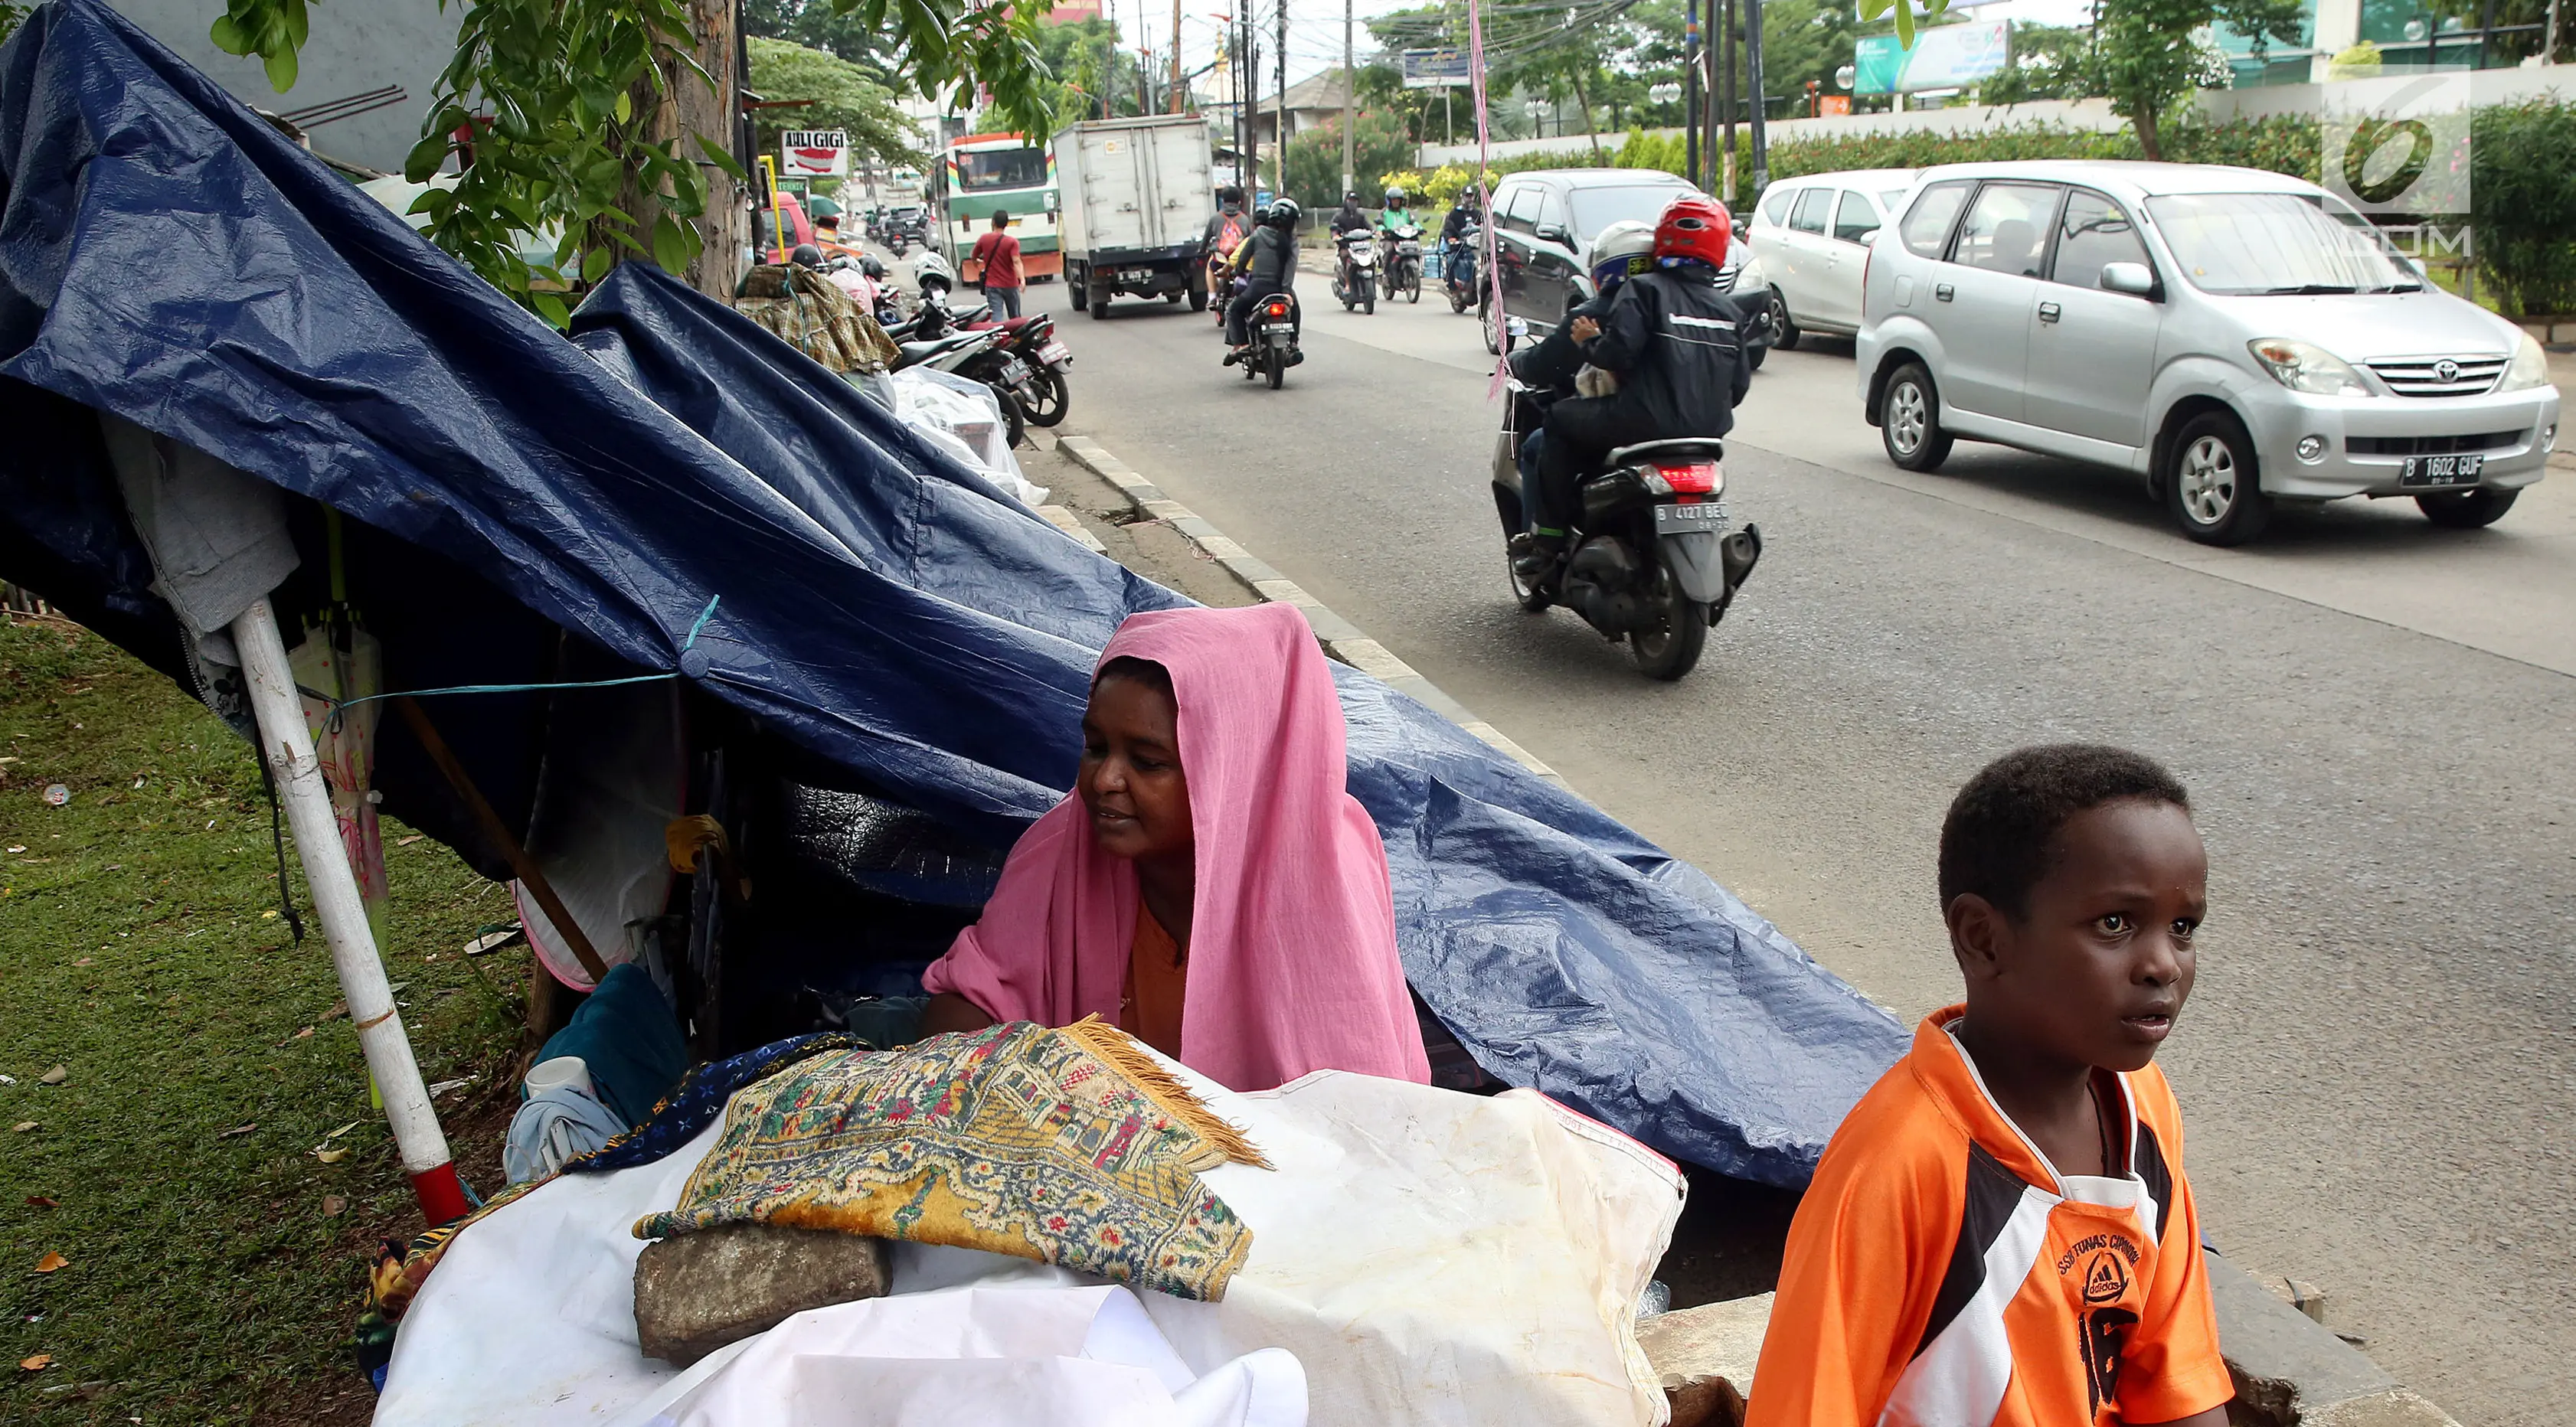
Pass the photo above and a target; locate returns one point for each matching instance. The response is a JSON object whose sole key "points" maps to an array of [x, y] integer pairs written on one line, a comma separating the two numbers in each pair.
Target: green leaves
{"points": [[274, 30], [1905, 16]]}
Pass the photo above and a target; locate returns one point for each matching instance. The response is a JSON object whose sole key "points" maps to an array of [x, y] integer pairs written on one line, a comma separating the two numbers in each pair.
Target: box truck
{"points": [[1137, 197]]}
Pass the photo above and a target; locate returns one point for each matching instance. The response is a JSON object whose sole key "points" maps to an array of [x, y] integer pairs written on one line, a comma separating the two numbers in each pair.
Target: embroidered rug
{"points": [[1069, 1146]]}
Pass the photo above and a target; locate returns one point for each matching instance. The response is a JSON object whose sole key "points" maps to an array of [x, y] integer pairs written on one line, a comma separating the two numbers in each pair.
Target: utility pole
{"points": [[1726, 78], [1350, 103], [1282, 189], [1251, 106], [1690, 89], [1179, 102], [1753, 81]]}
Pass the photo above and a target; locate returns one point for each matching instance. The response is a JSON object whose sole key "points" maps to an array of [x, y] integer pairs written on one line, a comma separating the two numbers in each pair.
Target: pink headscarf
{"points": [[1292, 963]]}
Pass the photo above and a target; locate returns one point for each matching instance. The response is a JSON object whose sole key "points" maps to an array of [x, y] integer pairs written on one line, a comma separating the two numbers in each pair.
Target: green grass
{"points": [[140, 947]]}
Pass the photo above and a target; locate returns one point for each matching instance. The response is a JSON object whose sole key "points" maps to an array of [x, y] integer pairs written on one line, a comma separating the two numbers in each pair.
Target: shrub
{"points": [[2524, 197]]}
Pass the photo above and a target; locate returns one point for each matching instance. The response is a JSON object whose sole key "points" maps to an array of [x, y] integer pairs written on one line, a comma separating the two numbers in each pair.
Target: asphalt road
{"points": [[2373, 716]]}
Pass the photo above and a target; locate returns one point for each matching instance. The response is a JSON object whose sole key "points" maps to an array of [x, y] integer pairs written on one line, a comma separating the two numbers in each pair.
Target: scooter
{"points": [[1046, 395], [1272, 326], [1458, 267], [1355, 276], [1403, 257], [1654, 558]]}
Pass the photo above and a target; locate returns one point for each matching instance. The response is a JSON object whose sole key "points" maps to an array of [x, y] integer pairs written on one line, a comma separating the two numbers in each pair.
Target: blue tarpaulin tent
{"points": [[167, 256]]}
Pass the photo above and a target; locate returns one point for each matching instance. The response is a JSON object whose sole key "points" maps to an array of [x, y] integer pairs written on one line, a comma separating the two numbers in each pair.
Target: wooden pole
{"points": [[286, 743], [497, 833], [1350, 103]]}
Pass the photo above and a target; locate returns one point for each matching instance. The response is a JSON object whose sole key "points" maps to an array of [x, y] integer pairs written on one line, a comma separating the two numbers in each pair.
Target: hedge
{"points": [[2523, 184]]}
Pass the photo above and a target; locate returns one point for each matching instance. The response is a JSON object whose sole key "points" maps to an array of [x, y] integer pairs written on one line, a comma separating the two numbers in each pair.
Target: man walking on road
{"points": [[997, 265]]}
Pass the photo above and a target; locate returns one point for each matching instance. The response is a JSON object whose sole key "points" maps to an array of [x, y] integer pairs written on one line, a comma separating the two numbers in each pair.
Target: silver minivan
{"points": [[1812, 235], [2235, 337]]}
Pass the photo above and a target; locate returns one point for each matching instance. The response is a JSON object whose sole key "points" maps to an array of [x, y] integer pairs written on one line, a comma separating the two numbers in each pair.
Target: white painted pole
{"points": [[287, 744]]}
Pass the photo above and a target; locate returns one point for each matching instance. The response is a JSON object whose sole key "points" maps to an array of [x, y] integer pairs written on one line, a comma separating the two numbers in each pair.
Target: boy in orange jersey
{"points": [[2000, 1234]]}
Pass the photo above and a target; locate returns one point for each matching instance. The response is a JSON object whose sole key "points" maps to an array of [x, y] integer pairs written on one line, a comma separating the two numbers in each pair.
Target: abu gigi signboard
{"points": [[814, 153], [1943, 57]]}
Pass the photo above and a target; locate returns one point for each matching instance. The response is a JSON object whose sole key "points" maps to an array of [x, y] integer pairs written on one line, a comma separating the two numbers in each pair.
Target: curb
{"points": [[1341, 639]]}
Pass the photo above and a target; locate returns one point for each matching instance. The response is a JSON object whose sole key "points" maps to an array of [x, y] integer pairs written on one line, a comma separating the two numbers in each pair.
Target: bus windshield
{"points": [[995, 169]]}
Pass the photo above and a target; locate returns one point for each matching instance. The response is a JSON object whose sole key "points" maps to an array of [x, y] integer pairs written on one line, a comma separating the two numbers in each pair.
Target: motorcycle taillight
{"points": [[1278, 309], [1696, 478]]}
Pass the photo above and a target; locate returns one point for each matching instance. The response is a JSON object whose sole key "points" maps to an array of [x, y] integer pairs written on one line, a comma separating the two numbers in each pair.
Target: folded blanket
{"points": [[1069, 1146]]}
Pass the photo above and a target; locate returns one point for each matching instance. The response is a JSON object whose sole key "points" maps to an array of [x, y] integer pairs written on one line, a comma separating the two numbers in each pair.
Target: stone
{"points": [[1704, 1357], [694, 1293]]}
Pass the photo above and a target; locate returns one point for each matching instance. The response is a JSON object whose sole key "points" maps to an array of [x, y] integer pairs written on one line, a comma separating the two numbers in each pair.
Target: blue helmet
{"points": [[1621, 251]]}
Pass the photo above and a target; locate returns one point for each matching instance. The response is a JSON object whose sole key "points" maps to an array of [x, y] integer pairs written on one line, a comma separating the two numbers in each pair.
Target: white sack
{"points": [[1428, 1258]]}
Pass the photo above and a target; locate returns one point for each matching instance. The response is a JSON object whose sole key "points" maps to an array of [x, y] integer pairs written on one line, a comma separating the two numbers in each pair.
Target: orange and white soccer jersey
{"points": [[1941, 1273]]}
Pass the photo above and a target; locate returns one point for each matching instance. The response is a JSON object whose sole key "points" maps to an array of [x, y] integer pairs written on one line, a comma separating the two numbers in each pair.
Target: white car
{"points": [[2233, 336], [1812, 235]]}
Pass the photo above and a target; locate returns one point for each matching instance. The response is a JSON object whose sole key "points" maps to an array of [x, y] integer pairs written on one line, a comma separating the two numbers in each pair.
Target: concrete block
{"points": [[1705, 1356], [1369, 657], [2399, 1408], [1286, 592], [1170, 511], [2288, 1369], [694, 1293]]}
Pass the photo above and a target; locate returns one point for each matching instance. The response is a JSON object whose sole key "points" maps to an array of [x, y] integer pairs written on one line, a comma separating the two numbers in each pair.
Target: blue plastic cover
{"points": [[167, 256]]}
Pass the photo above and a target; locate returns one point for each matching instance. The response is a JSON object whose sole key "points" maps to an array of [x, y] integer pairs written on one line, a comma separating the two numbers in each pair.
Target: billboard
{"points": [[1435, 69], [814, 153], [1943, 57]]}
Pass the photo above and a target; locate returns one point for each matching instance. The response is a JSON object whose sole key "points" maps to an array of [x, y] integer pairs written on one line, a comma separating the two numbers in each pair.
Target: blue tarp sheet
{"points": [[167, 256]]}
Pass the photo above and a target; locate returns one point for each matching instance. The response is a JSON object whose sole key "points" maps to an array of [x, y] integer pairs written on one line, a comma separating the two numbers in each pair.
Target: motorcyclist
{"points": [[1548, 369], [1391, 220], [806, 255], [1459, 259], [1349, 215], [1269, 256], [1669, 336], [1225, 233]]}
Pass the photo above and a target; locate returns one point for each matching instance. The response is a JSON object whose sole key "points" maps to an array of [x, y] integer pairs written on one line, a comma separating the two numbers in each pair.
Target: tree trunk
{"points": [[686, 105], [1581, 97], [2146, 127]]}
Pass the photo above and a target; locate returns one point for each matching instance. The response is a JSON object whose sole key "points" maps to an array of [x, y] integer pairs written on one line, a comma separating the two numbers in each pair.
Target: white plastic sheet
{"points": [[966, 416], [1428, 1258]]}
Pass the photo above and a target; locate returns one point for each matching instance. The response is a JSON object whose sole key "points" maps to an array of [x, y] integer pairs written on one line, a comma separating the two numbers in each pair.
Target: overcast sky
{"points": [[1315, 26]]}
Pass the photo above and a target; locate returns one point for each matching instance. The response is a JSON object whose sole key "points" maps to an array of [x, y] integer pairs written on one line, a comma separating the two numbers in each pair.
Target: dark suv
{"points": [[1544, 224]]}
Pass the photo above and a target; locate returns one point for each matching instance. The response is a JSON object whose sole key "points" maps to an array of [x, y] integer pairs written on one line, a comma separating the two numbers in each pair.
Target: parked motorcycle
{"points": [[1403, 258], [1046, 394], [1273, 329], [1654, 560], [1355, 276], [1458, 267]]}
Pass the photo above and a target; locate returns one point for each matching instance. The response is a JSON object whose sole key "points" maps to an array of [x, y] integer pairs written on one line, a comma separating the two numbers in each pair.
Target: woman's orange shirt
{"points": [[1156, 980]]}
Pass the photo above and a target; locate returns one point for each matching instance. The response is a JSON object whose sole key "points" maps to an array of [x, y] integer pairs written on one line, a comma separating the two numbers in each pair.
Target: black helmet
{"points": [[1351, 197], [806, 256], [875, 270], [1283, 214]]}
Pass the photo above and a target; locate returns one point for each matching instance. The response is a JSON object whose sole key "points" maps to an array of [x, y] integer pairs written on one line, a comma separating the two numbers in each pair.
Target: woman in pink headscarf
{"points": [[1210, 884]]}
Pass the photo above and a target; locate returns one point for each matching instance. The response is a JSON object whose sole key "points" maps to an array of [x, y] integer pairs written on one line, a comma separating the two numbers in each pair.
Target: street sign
{"points": [[814, 153], [1436, 69], [1943, 57]]}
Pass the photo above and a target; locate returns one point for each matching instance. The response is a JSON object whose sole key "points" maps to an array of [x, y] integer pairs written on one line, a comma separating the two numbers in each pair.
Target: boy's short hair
{"points": [[1001, 220], [1995, 841]]}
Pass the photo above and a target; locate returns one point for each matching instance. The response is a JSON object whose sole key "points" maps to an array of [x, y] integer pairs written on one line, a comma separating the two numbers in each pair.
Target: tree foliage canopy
{"points": [[837, 95], [565, 109]]}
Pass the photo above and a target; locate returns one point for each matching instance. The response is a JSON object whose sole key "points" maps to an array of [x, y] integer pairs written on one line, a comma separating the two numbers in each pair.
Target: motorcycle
{"points": [[1223, 286], [1458, 267], [1273, 329], [1355, 276], [1403, 256], [1653, 559], [1045, 395]]}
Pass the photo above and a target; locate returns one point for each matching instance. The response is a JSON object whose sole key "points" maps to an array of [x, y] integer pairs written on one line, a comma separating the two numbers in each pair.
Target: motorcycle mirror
{"points": [[1517, 326]]}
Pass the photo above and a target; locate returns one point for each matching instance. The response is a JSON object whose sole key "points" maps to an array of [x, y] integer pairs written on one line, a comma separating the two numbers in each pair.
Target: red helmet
{"points": [[1695, 227]]}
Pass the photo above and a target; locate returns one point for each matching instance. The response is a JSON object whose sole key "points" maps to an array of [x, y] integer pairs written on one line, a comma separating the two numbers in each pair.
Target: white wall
{"points": [[355, 46], [2486, 86]]}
